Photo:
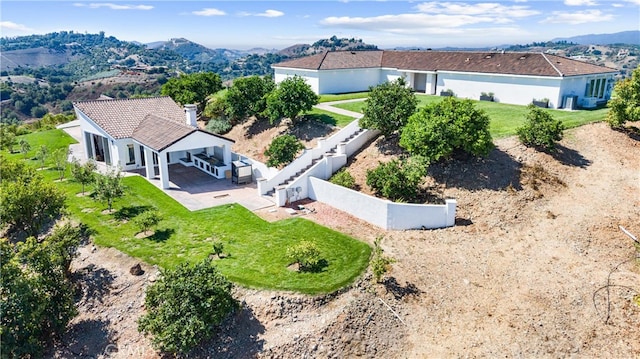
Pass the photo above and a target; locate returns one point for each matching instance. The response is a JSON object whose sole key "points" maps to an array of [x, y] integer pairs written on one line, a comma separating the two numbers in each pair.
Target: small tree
{"points": [[83, 173], [147, 220], [25, 147], [192, 88], [218, 247], [388, 107], [306, 254], [109, 187], [185, 305], [60, 160], [42, 154], [282, 150], [291, 97], [8, 140], [379, 262], [397, 180], [248, 97], [540, 129], [438, 130], [343, 178], [625, 106]]}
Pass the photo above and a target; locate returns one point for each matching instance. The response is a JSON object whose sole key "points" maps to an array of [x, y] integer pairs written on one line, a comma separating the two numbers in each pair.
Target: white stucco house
{"points": [[150, 133], [512, 77]]}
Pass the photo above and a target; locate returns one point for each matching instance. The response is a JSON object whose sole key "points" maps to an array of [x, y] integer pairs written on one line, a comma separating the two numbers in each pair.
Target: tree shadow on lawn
{"points": [[309, 128], [161, 235], [126, 213], [570, 157], [496, 172], [321, 117], [236, 338]]}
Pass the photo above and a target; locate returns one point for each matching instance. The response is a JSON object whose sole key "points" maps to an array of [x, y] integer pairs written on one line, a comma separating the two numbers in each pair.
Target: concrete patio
{"points": [[189, 186]]}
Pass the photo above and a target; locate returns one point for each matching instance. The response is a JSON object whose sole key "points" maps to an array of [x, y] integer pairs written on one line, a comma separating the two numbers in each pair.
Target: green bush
{"points": [[379, 262], [147, 219], [343, 178], [540, 129], [397, 180], [185, 305], [306, 254], [625, 105], [219, 125], [282, 150], [218, 247]]}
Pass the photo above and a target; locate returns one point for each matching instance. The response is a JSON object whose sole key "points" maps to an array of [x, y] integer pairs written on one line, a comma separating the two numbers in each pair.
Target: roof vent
{"points": [[467, 60], [522, 57], [353, 52], [487, 57]]}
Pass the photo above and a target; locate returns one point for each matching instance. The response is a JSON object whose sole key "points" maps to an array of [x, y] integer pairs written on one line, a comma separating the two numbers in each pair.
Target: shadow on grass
{"points": [[321, 117], [399, 292], [237, 337], [162, 235], [308, 129], [569, 157], [496, 172], [126, 213]]}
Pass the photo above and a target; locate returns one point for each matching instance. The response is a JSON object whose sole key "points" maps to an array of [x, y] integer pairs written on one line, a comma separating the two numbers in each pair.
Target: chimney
{"points": [[191, 116]]}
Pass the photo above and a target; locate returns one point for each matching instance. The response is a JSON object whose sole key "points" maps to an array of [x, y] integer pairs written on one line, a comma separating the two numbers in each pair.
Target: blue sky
{"points": [[278, 24]]}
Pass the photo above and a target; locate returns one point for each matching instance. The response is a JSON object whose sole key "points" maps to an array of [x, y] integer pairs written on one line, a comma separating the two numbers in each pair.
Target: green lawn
{"points": [[343, 96], [330, 118], [257, 247], [506, 118]]}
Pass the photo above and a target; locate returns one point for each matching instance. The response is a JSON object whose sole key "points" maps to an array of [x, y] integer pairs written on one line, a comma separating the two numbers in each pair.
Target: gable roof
{"points": [[512, 63], [156, 122]]}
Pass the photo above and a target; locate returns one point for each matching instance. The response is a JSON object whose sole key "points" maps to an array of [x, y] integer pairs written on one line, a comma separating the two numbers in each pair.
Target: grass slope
{"points": [[257, 248]]}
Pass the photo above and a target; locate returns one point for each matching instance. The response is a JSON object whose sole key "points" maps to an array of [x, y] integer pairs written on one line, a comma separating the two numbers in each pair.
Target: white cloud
{"points": [[435, 17], [209, 12], [635, 2], [8, 25], [114, 6], [580, 3], [267, 13], [617, 5], [579, 17]]}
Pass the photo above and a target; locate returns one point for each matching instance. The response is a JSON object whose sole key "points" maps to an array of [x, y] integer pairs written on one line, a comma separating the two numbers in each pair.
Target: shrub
{"points": [[185, 305], [397, 180], [388, 107], [440, 129], [343, 178], [282, 150], [379, 262], [306, 255], [147, 219], [218, 247], [219, 125], [625, 106], [540, 129]]}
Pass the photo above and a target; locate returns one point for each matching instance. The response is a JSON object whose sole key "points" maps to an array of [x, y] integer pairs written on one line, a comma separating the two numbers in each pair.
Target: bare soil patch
{"points": [[535, 267]]}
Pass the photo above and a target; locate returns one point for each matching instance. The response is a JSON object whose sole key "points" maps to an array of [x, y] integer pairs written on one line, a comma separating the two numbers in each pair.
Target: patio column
{"points": [[164, 170], [226, 154], [148, 162]]}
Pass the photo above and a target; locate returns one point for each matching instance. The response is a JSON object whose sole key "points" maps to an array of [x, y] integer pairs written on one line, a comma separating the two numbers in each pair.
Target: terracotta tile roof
{"points": [[159, 133], [513, 63], [120, 117], [156, 122]]}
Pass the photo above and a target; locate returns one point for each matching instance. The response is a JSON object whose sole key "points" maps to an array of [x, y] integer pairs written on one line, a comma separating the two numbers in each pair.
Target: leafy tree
{"points": [[27, 201], [83, 173], [60, 160], [42, 154], [147, 219], [8, 138], [25, 147], [185, 305], [388, 107], [193, 88], [540, 129], [379, 262], [282, 150], [109, 187], [291, 97], [218, 247], [306, 254], [397, 180], [247, 97], [438, 130], [625, 106], [37, 295], [343, 178]]}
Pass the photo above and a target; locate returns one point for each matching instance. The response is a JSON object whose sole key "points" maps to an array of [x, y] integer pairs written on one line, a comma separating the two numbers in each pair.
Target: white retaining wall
{"points": [[383, 213]]}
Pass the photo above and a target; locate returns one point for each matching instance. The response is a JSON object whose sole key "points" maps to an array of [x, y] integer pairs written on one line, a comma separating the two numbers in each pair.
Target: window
{"points": [[595, 88], [132, 154]]}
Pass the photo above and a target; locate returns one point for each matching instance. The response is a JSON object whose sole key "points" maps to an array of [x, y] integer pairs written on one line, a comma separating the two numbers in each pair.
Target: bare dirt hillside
{"points": [[535, 267]]}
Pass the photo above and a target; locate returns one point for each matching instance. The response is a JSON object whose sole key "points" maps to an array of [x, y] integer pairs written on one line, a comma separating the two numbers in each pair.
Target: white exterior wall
{"points": [[350, 80], [388, 75], [517, 90], [310, 76]]}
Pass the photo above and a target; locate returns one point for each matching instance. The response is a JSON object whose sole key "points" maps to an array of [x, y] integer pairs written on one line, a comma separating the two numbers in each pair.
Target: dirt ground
{"points": [[536, 266]]}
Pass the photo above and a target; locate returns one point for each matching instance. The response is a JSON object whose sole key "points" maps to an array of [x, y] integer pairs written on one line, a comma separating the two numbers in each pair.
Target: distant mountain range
{"points": [[624, 37]]}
